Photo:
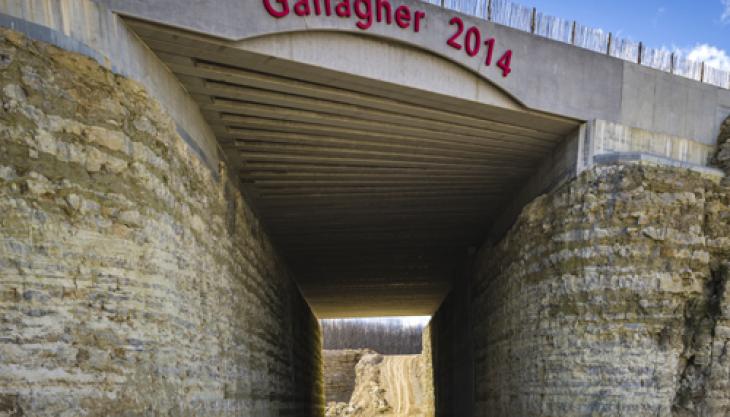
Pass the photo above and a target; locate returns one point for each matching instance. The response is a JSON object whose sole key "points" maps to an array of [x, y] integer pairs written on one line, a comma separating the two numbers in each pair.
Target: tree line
{"points": [[386, 336]]}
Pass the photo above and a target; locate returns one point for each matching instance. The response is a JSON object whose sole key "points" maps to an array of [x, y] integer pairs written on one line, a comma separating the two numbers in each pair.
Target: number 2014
{"points": [[473, 43]]}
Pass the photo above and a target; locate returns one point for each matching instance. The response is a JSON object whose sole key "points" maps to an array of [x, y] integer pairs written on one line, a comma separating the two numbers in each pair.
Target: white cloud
{"points": [[726, 13], [711, 55]]}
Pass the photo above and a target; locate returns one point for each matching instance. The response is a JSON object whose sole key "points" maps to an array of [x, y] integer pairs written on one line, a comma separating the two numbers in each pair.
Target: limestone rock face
{"points": [[608, 297], [134, 279], [722, 159], [339, 373], [389, 386]]}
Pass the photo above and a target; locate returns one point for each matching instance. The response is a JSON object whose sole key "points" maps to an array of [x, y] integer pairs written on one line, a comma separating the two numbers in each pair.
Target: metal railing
{"points": [[568, 31]]}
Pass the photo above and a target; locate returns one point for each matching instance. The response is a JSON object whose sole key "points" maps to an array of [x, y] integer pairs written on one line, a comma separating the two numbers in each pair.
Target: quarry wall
{"points": [[339, 373], [133, 280], [393, 386], [608, 297], [380, 385]]}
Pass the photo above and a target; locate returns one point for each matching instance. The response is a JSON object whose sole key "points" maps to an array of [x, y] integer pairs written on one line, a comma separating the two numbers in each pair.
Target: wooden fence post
{"points": [[572, 34], [533, 20], [641, 52], [702, 72]]}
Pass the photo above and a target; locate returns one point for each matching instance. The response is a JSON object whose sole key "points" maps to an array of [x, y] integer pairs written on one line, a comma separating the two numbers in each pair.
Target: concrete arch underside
{"points": [[373, 190]]}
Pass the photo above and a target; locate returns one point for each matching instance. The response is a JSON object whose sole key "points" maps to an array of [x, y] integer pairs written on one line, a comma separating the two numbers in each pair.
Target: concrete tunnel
{"points": [[186, 189]]}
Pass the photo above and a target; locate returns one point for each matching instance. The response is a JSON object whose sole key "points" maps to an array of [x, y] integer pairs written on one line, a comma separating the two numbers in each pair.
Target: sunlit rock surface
{"points": [[134, 279]]}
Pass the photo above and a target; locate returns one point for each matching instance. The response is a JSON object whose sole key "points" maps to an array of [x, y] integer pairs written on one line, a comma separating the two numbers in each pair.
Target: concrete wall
{"points": [[452, 354], [608, 297], [133, 280], [547, 75]]}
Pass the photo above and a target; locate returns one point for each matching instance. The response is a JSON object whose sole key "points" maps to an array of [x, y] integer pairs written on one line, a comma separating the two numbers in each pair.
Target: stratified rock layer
{"points": [[608, 297], [134, 280], [389, 386], [339, 373], [386, 385]]}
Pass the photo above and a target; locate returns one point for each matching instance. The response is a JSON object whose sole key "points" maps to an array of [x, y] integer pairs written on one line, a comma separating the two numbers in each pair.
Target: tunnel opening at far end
{"points": [[379, 366]]}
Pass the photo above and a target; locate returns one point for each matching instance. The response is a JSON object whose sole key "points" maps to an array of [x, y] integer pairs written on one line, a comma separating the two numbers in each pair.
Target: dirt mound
{"points": [[339, 373], [389, 386]]}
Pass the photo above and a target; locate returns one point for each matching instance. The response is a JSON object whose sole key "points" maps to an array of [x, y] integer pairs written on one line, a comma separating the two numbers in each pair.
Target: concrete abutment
{"points": [[136, 278]]}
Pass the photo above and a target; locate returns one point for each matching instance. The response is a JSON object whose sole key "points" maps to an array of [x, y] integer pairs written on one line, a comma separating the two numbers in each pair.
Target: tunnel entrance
{"points": [[339, 193], [372, 180], [378, 367], [376, 182]]}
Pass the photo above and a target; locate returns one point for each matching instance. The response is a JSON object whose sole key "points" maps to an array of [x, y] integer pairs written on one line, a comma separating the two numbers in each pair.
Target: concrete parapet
{"points": [[606, 138]]}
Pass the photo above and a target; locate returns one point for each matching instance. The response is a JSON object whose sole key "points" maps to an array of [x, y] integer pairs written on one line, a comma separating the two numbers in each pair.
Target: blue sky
{"points": [[699, 27]]}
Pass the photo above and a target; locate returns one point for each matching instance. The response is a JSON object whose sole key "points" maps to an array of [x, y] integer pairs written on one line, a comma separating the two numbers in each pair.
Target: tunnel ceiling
{"points": [[372, 192]]}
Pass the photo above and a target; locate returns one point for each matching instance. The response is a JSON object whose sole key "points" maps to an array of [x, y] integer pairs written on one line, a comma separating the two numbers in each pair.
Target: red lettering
{"points": [[472, 41], [380, 5], [505, 62], [343, 9], [490, 51], [417, 21], [403, 16], [367, 11], [301, 8], [366, 14], [452, 42], [277, 13]]}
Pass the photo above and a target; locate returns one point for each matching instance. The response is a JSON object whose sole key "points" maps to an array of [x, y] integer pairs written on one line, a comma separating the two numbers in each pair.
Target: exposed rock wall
{"points": [[339, 373], [133, 280], [389, 386], [427, 376], [608, 297], [392, 385], [385, 385]]}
